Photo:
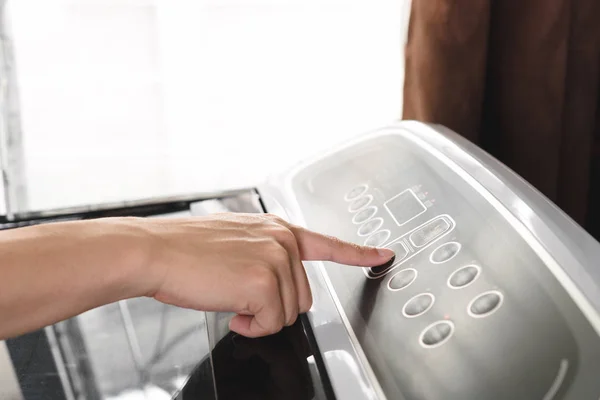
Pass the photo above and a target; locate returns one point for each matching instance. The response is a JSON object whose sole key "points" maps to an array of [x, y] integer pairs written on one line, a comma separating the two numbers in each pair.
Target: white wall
{"points": [[128, 99]]}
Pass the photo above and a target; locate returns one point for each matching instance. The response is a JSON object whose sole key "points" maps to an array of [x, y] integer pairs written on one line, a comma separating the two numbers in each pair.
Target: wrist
{"points": [[133, 271]]}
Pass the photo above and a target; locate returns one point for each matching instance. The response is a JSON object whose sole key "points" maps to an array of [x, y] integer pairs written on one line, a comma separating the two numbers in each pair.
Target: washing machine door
{"points": [[285, 365], [140, 348]]}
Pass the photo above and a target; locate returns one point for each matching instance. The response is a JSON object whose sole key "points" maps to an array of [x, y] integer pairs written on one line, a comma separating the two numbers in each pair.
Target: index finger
{"points": [[315, 246]]}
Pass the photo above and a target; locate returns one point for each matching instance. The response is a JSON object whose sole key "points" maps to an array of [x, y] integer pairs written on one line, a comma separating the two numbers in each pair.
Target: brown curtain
{"points": [[517, 77]]}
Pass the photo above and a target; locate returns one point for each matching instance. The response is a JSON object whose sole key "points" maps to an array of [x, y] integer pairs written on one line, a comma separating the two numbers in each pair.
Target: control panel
{"points": [[467, 308]]}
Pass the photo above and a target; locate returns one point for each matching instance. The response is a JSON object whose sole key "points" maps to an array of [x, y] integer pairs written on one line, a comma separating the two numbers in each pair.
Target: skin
{"points": [[249, 264]]}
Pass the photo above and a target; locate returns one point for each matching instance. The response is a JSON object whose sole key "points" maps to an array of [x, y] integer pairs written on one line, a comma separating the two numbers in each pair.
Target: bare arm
{"points": [[243, 263], [52, 272]]}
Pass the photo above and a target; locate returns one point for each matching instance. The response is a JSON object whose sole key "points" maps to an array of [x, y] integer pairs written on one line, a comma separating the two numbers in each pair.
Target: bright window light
{"points": [[131, 99]]}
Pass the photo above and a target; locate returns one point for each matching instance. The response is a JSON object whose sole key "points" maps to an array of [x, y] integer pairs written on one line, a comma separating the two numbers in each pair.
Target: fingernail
{"points": [[387, 253]]}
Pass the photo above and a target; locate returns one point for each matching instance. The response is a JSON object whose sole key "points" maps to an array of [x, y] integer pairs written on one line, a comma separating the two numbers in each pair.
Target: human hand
{"points": [[249, 264]]}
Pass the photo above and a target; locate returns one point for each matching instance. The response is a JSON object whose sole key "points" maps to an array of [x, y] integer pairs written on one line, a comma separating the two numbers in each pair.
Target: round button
{"points": [[370, 226], [364, 215], [360, 203], [463, 276], [378, 238], [445, 252], [402, 279], [418, 305], [485, 304], [355, 192], [436, 334]]}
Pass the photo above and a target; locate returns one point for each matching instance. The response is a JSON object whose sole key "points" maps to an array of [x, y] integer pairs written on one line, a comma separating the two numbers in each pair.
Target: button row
{"points": [[364, 215], [461, 278], [439, 332], [482, 305]]}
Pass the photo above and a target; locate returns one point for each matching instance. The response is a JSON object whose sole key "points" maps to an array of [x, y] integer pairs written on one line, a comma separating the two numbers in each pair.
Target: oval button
{"points": [[445, 252], [370, 226], [437, 334], [360, 203], [418, 305], [364, 215], [400, 253], [380, 270], [402, 279], [378, 238], [485, 304], [399, 250], [463, 276], [355, 192]]}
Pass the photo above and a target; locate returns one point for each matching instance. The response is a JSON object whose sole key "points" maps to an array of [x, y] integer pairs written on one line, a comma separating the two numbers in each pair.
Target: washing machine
{"points": [[494, 292]]}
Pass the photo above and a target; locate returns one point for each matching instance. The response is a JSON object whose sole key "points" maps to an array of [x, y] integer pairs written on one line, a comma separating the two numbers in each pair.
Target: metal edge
{"points": [[327, 316], [9, 383], [59, 362], [59, 212]]}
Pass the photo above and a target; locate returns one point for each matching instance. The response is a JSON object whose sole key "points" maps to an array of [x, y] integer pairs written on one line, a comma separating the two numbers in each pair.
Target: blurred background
{"points": [[110, 100]]}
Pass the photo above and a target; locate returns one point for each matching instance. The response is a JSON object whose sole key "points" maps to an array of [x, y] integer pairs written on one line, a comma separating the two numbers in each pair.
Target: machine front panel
{"points": [[467, 310]]}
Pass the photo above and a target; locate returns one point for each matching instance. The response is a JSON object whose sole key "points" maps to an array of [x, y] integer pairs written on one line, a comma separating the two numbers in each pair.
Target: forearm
{"points": [[51, 272]]}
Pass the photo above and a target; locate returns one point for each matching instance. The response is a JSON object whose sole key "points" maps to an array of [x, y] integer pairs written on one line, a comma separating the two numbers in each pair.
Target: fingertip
{"points": [[385, 254], [316, 246]]}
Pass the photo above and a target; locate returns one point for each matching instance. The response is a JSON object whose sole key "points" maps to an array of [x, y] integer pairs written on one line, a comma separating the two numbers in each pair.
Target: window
{"points": [[125, 99]]}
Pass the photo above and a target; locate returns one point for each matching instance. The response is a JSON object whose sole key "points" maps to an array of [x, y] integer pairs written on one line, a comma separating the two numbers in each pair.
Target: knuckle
{"points": [[274, 253], [280, 257], [293, 319], [263, 280], [269, 244], [276, 219], [284, 235], [362, 250], [306, 304], [339, 243], [275, 324]]}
